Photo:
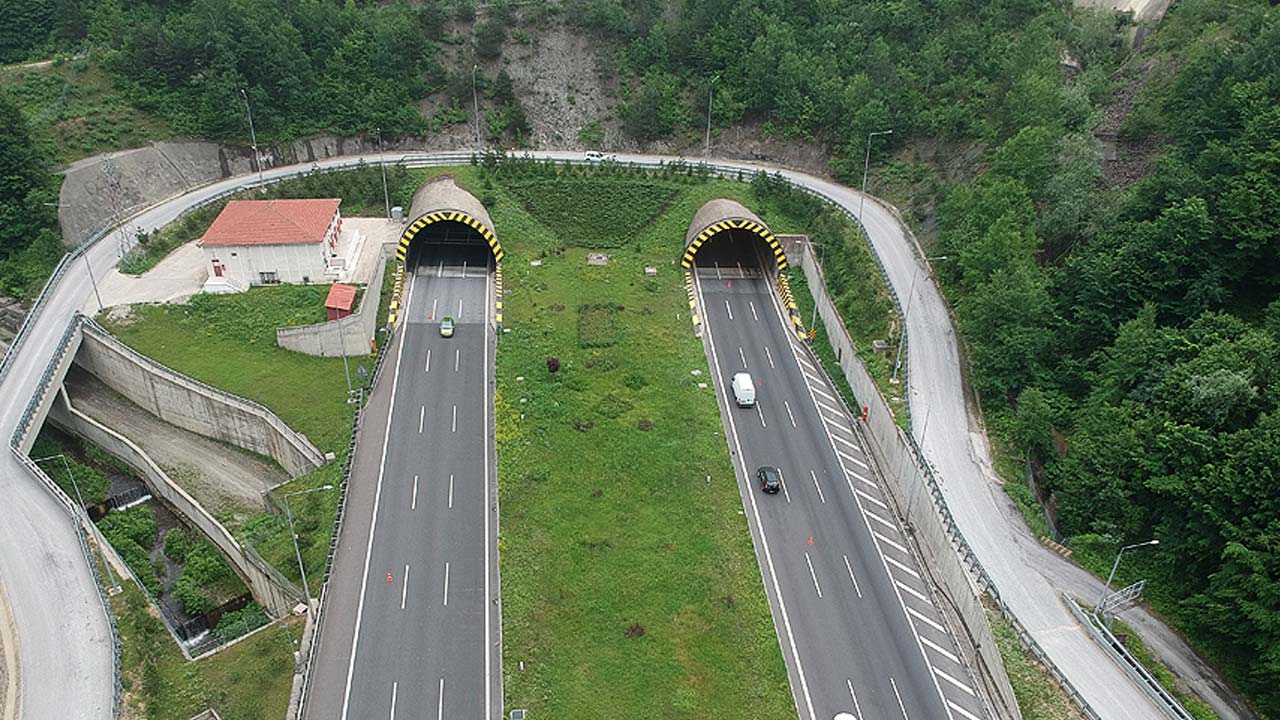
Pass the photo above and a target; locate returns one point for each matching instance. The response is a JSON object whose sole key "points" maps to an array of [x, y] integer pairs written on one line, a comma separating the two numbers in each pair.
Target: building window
{"points": [[306, 280], [268, 278]]}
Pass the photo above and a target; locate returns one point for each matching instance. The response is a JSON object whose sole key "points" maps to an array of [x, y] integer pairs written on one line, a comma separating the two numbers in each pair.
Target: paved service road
{"points": [[426, 611], [858, 628]]}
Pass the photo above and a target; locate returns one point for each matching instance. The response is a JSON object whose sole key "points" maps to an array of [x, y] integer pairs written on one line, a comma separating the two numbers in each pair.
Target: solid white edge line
{"points": [[954, 681], [377, 496], [813, 574], [394, 687], [755, 513], [941, 651], [489, 448]]}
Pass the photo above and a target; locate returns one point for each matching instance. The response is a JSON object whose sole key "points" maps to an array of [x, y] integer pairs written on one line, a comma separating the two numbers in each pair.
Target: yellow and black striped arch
{"points": [[724, 225], [449, 216]]}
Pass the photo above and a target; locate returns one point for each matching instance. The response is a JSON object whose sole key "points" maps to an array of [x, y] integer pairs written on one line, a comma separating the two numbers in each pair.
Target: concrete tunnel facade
{"points": [[441, 200], [723, 215]]}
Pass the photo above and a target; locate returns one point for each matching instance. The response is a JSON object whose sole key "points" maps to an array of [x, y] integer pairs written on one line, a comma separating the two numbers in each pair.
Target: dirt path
{"points": [[226, 481]]}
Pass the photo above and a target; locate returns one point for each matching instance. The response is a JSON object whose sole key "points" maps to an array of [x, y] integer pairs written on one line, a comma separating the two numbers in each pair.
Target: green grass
{"points": [[153, 247], [247, 681], [1039, 697], [75, 110], [628, 532]]}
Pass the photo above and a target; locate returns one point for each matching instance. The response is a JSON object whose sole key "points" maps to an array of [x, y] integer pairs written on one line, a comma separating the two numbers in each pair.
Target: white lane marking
{"points": [[953, 681], [782, 480], [459, 308], [743, 356], [446, 583], [433, 308], [787, 405], [812, 574], [813, 379], [422, 416], [904, 568], [404, 586], [861, 479], [464, 268], [718, 276], [728, 309], [879, 519], [377, 496], [829, 408], [753, 310], [440, 271], [488, 452], [822, 392], [891, 543], [962, 711], [821, 497], [760, 412], [455, 419], [768, 355], [925, 619], [941, 651], [440, 702], [428, 367], [913, 592], [839, 439], [895, 694], [764, 540], [857, 710], [394, 688], [806, 363], [852, 579], [872, 499], [853, 459], [450, 492], [457, 358], [413, 505]]}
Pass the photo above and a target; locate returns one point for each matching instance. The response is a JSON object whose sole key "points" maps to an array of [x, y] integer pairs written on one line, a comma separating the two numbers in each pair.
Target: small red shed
{"points": [[341, 300]]}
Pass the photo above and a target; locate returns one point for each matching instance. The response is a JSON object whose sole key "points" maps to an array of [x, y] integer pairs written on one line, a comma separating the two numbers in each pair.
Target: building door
{"points": [[217, 269]]}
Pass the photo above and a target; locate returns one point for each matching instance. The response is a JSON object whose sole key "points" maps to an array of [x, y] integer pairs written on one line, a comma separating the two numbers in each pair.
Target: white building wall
{"points": [[244, 264]]}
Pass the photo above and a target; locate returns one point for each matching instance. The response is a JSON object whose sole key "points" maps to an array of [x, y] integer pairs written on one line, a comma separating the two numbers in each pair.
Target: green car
{"points": [[446, 327]]}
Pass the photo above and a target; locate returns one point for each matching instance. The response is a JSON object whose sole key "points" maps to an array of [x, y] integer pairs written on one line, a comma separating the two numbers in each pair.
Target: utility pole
{"points": [[902, 341], [711, 89], [386, 198], [294, 536], [92, 280], [866, 165], [342, 342], [475, 103], [253, 136]]}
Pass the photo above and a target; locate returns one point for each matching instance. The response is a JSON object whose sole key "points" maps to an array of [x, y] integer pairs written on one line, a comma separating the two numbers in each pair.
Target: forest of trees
{"points": [[30, 241]]}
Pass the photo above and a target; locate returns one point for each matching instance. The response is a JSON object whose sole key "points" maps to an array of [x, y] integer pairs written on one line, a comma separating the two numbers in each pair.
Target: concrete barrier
{"points": [[270, 589], [191, 405], [904, 472], [351, 335]]}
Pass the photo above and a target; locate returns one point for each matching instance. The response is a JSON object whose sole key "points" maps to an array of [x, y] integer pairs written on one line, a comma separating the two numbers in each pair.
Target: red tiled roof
{"points": [[271, 222], [341, 297]]}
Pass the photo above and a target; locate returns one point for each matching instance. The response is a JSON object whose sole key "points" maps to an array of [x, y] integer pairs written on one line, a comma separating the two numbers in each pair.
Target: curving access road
{"points": [[65, 651]]}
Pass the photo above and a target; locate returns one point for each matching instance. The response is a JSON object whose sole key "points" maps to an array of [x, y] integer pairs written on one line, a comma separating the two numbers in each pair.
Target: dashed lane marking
{"points": [[852, 579]]}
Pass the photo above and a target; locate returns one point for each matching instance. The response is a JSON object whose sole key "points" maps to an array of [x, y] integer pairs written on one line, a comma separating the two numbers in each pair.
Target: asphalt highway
{"points": [[858, 628], [426, 613]]}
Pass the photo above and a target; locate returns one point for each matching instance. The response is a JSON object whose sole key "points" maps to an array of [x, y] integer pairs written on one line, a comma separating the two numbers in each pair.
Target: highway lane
{"points": [[424, 622], [857, 625]]}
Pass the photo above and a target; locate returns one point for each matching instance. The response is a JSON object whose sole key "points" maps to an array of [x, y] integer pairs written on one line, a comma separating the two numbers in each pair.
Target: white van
{"points": [[744, 390], [594, 155]]}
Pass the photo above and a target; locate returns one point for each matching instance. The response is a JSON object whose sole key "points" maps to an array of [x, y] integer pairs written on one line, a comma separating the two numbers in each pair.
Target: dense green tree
{"points": [[656, 108]]}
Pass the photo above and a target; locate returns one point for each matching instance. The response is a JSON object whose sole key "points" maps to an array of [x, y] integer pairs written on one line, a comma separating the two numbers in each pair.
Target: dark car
{"points": [[770, 478]]}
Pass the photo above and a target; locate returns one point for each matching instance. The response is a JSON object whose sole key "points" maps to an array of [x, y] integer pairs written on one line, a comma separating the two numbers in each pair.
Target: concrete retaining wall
{"points": [[353, 333], [269, 589], [901, 468], [192, 405]]}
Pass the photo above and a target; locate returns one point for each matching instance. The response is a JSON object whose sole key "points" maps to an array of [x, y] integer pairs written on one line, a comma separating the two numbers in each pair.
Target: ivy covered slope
{"points": [[1128, 339]]}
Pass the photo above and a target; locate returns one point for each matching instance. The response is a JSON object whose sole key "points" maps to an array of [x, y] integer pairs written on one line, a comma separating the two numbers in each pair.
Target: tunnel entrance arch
{"points": [[721, 219], [445, 214]]}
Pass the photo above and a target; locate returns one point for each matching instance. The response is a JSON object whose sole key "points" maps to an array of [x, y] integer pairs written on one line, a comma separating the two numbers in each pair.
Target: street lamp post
{"points": [[386, 197], [1106, 590], [906, 313], [822, 251], [294, 536], [475, 103], [80, 499], [253, 136], [346, 369], [92, 280], [866, 165]]}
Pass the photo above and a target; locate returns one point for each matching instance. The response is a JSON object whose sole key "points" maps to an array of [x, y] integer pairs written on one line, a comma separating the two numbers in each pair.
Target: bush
{"points": [[176, 545], [240, 622], [137, 525]]}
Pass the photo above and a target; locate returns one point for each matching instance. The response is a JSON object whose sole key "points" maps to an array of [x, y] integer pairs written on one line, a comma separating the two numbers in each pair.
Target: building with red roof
{"points": [[340, 302], [266, 242]]}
